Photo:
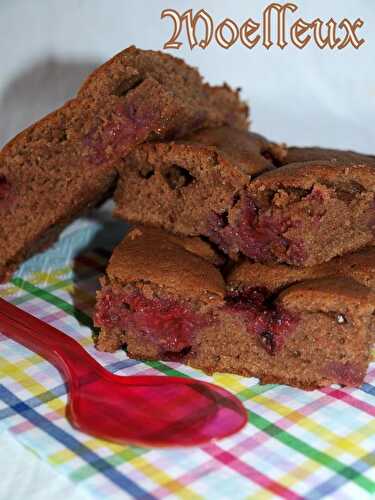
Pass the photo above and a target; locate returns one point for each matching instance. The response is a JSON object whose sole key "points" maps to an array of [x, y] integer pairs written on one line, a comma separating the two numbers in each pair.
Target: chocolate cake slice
{"points": [[64, 163], [239, 190], [190, 186], [164, 299], [307, 213]]}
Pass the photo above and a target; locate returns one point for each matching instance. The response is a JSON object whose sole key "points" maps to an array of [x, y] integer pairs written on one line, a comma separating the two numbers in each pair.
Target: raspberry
{"points": [[128, 125], [170, 323], [255, 235]]}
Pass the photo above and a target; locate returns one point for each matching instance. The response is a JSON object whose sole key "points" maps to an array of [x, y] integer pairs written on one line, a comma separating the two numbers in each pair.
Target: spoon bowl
{"points": [[154, 410], [143, 410]]}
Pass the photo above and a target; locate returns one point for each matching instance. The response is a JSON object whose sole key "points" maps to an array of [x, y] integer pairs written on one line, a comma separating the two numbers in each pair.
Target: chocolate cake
{"points": [[163, 298], [239, 190], [188, 186], [64, 163]]}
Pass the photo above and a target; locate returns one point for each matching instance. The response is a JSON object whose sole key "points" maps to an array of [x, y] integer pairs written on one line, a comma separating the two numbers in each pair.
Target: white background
{"points": [[308, 96]]}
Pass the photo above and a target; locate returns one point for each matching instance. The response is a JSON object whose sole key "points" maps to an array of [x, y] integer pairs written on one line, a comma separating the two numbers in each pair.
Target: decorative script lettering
{"points": [[278, 26]]}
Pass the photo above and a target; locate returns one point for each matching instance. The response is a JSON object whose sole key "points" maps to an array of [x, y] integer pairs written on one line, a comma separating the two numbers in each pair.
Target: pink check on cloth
{"points": [[297, 444]]}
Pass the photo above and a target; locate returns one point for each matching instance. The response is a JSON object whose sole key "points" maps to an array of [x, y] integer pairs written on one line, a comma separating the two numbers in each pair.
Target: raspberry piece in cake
{"points": [[167, 322], [64, 164], [164, 298]]}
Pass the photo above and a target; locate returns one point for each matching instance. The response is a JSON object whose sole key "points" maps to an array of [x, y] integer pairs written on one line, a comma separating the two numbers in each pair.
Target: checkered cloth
{"points": [[296, 445]]}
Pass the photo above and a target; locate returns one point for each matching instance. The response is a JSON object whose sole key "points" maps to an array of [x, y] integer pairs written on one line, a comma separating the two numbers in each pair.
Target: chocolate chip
{"points": [[146, 171], [224, 218]]}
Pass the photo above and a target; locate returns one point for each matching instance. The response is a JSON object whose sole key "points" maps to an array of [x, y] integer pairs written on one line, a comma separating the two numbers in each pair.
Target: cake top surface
{"points": [[273, 276], [135, 73], [308, 173], [301, 154], [303, 167], [186, 267], [133, 66], [330, 295], [236, 150], [249, 151], [359, 266], [179, 265]]}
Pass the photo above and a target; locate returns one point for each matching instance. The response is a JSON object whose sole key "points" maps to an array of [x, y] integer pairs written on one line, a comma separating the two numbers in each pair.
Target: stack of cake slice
{"points": [[164, 298], [65, 163], [266, 273], [247, 256]]}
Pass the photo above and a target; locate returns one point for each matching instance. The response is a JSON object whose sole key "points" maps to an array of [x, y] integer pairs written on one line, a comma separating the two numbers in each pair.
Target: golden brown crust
{"points": [[217, 105], [302, 154], [329, 294], [249, 152], [306, 174], [359, 266], [198, 247], [273, 276], [151, 255]]}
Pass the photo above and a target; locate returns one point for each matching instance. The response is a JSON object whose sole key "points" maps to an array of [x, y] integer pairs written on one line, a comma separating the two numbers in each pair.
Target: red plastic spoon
{"points": [[142, 410]]}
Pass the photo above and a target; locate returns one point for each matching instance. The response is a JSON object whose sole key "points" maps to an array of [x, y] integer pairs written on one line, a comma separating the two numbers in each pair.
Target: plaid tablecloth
{"points": [[296, 445]]}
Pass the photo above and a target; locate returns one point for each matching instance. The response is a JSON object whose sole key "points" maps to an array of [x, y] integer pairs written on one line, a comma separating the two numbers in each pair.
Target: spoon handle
{"points": [[55, 346]]}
